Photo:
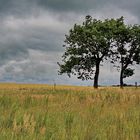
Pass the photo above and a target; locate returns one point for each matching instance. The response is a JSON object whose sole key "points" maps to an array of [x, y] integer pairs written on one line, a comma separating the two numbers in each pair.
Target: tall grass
{"points": [[40, 112]]}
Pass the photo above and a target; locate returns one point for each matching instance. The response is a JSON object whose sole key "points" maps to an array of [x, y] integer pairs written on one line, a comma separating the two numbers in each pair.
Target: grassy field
{"points": [[42, 112]]}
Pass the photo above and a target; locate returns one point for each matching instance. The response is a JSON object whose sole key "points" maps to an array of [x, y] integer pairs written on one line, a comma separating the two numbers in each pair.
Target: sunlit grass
{"points": [[45, 112]]}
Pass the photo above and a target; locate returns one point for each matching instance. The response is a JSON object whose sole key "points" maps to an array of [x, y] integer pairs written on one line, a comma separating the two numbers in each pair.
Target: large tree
{"points": [[127, 49], [87, 45]]}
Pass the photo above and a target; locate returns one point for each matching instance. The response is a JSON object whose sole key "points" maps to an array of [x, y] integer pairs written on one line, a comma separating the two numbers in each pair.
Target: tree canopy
{"points": [[88, 45], [126, 48]]}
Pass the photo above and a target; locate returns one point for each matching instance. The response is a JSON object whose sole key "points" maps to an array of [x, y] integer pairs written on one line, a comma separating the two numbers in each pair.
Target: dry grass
{"points": [[40, 112]]}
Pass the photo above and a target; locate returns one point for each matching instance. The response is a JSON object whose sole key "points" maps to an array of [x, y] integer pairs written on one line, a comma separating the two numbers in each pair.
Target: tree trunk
{"points": [[121, 74], [96, 75], [121, 79]]}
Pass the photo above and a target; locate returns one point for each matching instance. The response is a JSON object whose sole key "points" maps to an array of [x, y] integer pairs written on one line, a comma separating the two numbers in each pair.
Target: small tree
{"points": [[127, 49], [87, 45]]}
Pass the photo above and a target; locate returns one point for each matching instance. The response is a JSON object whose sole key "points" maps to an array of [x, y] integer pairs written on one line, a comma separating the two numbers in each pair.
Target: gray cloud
{"points": [[86, 6], [17, 36], [73, 5], [32, 33], [34, 8], [25, 7], [21, 7], [37, 66]]}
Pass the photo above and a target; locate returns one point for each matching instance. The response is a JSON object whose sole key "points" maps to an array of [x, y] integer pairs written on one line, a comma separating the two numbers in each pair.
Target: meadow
{"points": [[44, 112]]}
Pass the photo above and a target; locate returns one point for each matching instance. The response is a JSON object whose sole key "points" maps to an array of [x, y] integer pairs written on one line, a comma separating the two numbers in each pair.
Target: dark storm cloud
{"points": [[32, 33], [71, 5], [131, 6], [17, 7], [12, 53], [30, 7], [19, 35], [86, 5]]}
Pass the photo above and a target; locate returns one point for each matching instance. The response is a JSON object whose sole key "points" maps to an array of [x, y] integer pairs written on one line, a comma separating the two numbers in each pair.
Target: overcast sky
{"points": [[32, 34]]}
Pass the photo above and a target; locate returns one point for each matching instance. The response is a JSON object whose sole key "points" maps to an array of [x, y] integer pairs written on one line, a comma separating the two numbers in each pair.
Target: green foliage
{"points": [[126, 49], [128, 72], [87, 45]]}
